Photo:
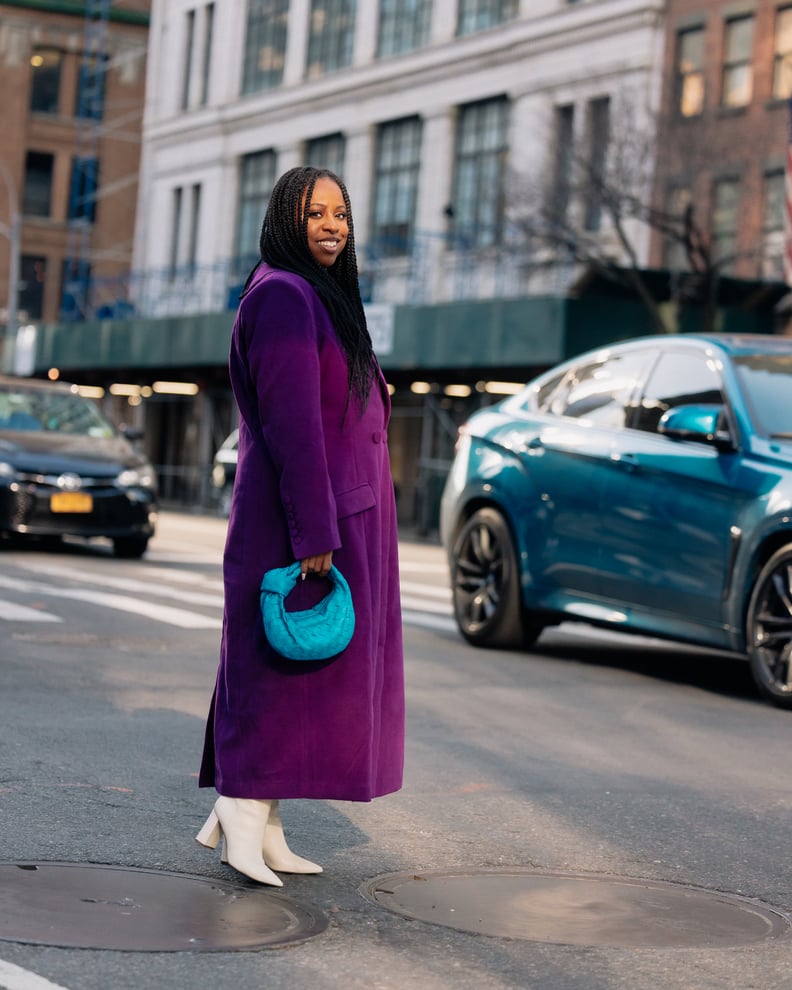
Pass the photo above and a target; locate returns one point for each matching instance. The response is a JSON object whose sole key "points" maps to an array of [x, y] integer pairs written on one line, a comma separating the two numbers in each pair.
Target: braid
{"points": [[284, 244]]}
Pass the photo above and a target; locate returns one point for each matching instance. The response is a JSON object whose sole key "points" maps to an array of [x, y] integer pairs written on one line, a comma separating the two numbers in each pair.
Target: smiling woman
{"points": [[313, 489]]}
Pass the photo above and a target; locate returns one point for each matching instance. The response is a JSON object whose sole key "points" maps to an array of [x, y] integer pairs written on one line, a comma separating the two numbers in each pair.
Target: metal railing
{"points": [[429, 268]]}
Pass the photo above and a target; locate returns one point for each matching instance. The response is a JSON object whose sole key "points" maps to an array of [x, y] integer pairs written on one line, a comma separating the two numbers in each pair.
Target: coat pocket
{"points": [[354, 500]]}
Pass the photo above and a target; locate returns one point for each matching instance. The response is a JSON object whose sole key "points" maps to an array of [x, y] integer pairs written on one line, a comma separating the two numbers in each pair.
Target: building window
{"points": [[82, 189], [206, 62], [327, 152], [737, 68], [398, 162], [403, 26], [563, 162], [37, 193], [478, 15], [782, 68], [176, 214], [773, 211], [256, 181], [690, 72], [726, 200], [597, 138], [32, 278], [265, 44], [678, 203], [91, 86], [189, 43], [332, 36], [45, 66], [480, 166], [195, 219]]}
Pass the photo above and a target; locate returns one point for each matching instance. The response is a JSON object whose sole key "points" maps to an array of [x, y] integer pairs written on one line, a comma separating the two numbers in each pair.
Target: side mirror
{"points": [[705, 423], [131, 433]]}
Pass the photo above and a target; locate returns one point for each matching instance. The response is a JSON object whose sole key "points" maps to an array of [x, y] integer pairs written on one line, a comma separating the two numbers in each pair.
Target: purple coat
{"points": [[308, 480]]}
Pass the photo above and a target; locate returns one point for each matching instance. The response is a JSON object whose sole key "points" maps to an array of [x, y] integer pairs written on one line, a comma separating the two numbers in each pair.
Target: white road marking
{"points": [[432, 590], [429, 620], [12, 612], [130, 584], [423, 605], [15, 978], [122, 603]]}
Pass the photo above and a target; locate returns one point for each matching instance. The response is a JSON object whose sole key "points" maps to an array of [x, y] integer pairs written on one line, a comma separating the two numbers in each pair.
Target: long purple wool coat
{"points": [[308, 480]]}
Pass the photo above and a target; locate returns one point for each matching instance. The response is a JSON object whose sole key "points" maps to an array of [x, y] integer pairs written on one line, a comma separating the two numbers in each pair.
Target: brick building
{"points": [[724, 129], [73, 78]]}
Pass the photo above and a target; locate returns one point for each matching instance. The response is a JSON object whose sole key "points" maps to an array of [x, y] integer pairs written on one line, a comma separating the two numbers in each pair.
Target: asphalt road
{"points": [[594, 755]]}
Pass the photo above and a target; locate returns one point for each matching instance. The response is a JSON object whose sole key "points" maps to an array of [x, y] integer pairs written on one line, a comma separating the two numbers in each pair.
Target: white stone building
{"points": [[425, 107]]}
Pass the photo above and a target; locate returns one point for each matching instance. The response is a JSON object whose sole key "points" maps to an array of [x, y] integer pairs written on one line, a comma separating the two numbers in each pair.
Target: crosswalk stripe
{"points": [[12, 612], [133, 584], [431, 590], [122, 603], [416, 604]]}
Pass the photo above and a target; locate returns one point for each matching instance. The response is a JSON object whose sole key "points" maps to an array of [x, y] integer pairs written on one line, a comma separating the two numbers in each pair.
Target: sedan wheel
{"points": [[769, 629], [486, 584], [130, 547]]}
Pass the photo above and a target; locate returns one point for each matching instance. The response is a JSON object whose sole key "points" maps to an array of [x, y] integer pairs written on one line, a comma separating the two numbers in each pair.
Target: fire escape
{"points": [[85, 169]]}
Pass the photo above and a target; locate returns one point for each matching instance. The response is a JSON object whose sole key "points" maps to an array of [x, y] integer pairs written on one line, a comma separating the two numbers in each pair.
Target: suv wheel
{"points": [[485, 584], [768, 632]]}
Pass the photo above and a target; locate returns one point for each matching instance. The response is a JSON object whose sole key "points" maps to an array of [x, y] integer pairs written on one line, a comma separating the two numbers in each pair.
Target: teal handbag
{"points": [[314, 634]]}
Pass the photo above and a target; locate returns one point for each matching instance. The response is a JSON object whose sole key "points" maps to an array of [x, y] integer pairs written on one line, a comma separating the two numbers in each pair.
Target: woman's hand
{"points": [[319, 565]]}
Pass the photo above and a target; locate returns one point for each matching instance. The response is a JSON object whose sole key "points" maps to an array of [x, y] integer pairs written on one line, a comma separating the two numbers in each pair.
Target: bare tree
{"points": [[598, 203]]}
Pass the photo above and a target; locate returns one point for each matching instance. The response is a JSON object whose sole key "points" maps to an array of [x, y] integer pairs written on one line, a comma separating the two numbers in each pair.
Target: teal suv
{"points": [[645, 488]]}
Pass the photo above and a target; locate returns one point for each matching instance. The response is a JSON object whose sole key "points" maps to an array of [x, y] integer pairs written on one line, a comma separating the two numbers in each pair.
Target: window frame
{"points": [[782, 58], [485, 220], [330, 47], [33, 186], [685, 78], [266, 27], [400, 30], [734, 63], [474, 16], [257, 172], [44, 78], [327, 151], [397, 167]]}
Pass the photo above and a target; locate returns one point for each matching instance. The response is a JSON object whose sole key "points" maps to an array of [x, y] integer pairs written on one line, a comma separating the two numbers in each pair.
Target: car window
{"points": [[51, 411], [678, 379], [766, 380], [600, 392]]}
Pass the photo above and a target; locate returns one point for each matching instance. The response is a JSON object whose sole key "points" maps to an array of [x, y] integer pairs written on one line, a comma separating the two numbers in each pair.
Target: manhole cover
{"points": [[112, 907], [574, 909]]}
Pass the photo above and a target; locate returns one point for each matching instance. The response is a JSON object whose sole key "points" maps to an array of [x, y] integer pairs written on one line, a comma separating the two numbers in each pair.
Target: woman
{"points": [[313, 484]]}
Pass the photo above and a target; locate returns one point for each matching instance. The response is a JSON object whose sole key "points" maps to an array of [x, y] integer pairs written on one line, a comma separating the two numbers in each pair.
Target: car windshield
{"points": [[46, 411], [766, 381]]}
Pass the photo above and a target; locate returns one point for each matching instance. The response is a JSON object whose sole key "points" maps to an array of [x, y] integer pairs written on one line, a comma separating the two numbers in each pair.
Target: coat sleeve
{"points": [[283, 360]]}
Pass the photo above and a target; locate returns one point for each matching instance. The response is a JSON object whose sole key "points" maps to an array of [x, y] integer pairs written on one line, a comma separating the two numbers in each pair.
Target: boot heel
{"points": [[209, 835]]}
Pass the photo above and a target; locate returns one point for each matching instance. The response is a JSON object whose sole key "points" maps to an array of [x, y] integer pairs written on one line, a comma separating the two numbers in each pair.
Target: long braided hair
{"points": [[284, 244]]}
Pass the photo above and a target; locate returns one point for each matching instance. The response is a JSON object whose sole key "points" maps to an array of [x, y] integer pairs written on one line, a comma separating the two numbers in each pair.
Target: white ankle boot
{"points": [[276, 852], [242, 823]]}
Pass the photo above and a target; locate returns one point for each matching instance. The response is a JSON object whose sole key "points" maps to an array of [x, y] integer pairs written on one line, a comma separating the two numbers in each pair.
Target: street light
{"points": [[13, 231]]}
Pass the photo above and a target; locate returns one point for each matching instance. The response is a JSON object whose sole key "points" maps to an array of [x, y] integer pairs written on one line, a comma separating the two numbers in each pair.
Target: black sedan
{"points": [[65, 471]]}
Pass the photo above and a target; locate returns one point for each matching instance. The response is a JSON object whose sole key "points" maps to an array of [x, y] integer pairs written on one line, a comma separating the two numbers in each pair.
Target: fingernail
{"points": [[302, 576]]}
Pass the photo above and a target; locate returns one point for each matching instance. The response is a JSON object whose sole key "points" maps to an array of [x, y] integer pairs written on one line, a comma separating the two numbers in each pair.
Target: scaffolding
{"points": [[85, 165]]}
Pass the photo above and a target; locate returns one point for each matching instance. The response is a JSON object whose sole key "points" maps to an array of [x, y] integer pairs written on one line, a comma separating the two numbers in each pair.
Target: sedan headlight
{"points": [[7, 472], [142, 477]]}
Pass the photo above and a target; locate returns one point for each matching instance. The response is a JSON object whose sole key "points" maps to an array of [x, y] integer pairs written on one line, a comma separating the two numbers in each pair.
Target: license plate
{"points": [[71, 502]]}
